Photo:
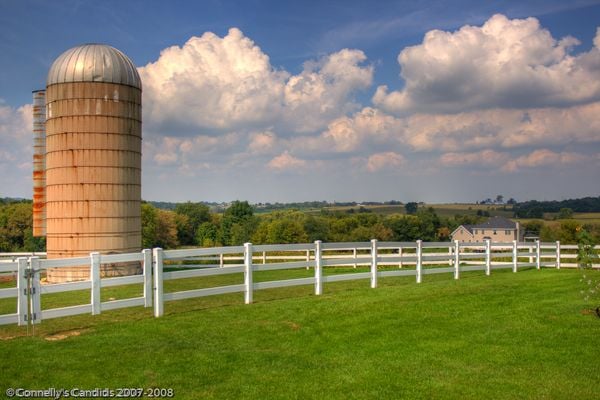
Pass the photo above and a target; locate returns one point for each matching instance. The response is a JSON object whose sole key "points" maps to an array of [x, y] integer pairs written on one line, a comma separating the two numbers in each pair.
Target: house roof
{"points": [[468, 228], [492, 223], [496, 223]]}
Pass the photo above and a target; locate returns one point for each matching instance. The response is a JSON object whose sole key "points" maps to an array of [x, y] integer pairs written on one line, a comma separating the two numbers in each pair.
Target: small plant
{"points": [[586, 256]]}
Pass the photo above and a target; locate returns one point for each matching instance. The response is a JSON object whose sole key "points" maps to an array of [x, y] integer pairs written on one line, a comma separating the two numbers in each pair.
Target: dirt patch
{"points": [[8, 278], [294, 326], [591, 311], [63, 335]]}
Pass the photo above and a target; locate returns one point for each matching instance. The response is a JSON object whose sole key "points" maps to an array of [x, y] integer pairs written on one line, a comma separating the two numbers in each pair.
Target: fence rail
{"points": [[383, 259]]}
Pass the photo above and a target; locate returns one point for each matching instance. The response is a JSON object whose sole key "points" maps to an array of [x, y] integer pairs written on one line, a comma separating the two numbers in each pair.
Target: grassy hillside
{"points": [[524, 335], [446, 210], [453, 209]]}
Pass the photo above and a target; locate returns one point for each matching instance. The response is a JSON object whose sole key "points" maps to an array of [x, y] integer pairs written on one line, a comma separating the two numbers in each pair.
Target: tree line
{"points": [[193, 224], [536, 209], [16, 227]]}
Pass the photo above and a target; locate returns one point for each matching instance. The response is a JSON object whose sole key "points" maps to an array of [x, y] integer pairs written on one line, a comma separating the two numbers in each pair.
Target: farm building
{"points": [[87, 160], [497, 229]]}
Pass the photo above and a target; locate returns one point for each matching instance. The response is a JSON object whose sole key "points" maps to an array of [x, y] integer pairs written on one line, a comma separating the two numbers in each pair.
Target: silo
{"points": [[39, 163], [93, 158]]}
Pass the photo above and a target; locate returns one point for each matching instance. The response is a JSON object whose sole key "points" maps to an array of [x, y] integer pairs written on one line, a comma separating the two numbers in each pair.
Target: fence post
{"points": [[221, 260], [35, 289], [530, 249], [488, 257], [538, 263], [515, 255], [248, 273], [450, 258], [400, 255], [318, 269], [354, 256], [147, 271], [95, 282], [158, 282], [558, 254], [23, 290], [456, 259], [373, 263], [419, 259], [307, 258]]}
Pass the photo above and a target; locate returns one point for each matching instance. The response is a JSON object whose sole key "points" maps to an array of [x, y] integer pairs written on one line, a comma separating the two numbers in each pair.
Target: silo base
{"points": [[82, 273]]}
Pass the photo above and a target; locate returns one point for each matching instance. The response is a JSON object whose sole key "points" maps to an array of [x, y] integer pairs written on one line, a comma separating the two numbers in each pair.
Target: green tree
{"points": [[411, 207], [586, 254], [237, 224], [586, 258], [240, 233], [192, 216], [568, 231], [565, 213], [149, 225], [316, 228], [287, 231], [206, 234], [159, 228], [533, 227], [341, 227], [361, 234], [185, 230], [429, 223], [549, 233], [238, 211], [405, 228], [167, 230], [16, 228]]}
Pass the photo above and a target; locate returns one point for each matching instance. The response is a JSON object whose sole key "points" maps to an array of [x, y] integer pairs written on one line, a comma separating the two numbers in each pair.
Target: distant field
{"points": [[507, 336], [446, 210], [588, 217], [450, 210]]}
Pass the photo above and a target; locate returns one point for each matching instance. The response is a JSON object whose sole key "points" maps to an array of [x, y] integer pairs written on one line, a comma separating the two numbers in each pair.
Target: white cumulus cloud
{"points": [[323, 89], [228, 83], [16, 149], [16, 137], [504, 63], [387, 160], [262, 142], [500, 128], [488, 157], [545, 158], [286, 161]]}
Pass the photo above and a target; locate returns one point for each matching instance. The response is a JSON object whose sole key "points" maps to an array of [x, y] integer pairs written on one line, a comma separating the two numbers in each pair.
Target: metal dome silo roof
{"points": [[94, 63]]}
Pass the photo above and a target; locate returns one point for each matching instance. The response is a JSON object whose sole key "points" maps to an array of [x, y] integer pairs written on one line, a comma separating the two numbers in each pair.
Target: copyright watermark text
{"points": [[77, 393]]}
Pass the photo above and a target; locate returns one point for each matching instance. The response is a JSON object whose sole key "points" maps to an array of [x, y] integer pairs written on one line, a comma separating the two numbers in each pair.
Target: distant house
{"points": [[497, 229]]}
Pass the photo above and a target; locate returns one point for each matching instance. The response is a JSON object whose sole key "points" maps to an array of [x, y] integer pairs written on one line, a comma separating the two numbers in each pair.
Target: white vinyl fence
{"points": [[383, 259]]}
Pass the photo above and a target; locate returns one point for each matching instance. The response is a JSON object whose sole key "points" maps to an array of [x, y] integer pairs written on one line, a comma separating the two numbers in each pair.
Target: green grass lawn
{"points": [[524, 335]]}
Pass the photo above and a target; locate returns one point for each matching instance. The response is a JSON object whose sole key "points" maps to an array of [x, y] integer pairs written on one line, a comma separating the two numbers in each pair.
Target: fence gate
{"points": [[28, 288]]}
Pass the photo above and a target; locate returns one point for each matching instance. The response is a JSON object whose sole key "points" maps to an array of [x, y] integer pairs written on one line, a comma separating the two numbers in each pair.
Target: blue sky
{"points": [[486, 98]]}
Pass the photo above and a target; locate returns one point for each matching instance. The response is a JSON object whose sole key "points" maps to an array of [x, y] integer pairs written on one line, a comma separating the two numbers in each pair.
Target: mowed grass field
{"points": [[507, 336]]}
